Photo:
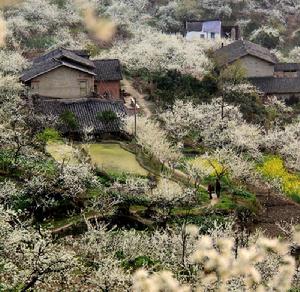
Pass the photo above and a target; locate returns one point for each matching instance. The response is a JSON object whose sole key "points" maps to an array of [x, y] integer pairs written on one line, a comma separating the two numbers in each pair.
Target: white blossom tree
{"points": [[285, 142], [156, 52], [153, 140], [30, 257], [223, 271], [217, 123], [219, 163], [11, 62]]}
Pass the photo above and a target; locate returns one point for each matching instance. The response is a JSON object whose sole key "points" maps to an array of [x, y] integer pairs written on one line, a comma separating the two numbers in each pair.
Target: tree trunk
{"points": [[16, 155], [31, 282]]}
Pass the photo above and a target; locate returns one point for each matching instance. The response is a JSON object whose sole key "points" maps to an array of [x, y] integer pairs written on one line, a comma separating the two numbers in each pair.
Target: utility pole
{"points": [[135, 117]]}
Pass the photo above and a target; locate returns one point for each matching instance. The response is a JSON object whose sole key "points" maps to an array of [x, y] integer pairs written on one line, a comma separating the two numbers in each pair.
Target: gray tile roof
{"points": [[81, 53], [38, 69], [273, 85], [287, 67], [64, 54], [108, 70], [85, 111], [104, 70], [239, 49], [194, 25], [55, 59]]}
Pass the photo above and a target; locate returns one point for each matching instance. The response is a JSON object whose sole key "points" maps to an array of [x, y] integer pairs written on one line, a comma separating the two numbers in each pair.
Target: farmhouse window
{"points": [[35, 87], [83, 88]]}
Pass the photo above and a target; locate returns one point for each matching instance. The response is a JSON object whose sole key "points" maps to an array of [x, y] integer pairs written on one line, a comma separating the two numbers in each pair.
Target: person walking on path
{"points": [[210, 190], [218, 188]]}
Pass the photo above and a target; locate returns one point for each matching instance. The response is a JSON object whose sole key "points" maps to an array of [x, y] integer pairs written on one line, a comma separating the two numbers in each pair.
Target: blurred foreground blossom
{"points": [[3, 31], [6, 3], [221, 267], [102, 28]]}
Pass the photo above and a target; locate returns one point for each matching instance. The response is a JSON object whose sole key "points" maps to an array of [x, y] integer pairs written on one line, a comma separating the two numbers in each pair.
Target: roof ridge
{"points": [[240, 48], [109, 59], [204, 20]]}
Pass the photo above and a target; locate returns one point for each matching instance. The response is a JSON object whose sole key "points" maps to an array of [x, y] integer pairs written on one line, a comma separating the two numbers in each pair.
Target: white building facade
{"points": [[211, 29]]}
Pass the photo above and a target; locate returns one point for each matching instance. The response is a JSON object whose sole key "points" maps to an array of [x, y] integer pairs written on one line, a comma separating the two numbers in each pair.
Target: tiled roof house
{"points": [[262, 68], [242, 49], [65, 73], [67, 80]]}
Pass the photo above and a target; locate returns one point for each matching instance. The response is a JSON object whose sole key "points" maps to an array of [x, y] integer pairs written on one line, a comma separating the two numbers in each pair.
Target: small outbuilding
{"points": [[108, 77]]}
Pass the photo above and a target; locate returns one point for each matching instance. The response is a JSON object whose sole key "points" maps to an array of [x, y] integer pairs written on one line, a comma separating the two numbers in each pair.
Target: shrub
{"points": [[173, 84], [68, 118], [48, 134], [138, 262], [225, 203], [243, 194], [267, 37], [107, 116]]}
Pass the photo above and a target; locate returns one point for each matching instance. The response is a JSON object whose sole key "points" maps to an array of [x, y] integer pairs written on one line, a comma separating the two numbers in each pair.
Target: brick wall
{"points": [[112, 88]]}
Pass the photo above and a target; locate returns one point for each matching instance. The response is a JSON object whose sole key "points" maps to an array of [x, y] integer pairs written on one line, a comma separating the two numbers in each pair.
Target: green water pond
{"points": [[110, 157]]}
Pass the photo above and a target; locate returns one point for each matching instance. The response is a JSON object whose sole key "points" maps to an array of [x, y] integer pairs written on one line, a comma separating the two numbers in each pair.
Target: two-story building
{"points": [[65, 73], [69, 81]]}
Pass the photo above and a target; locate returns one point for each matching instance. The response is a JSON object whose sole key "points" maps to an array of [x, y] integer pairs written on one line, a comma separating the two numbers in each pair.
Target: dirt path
{"points": [[274, 209], [292, 26], [146, 106]]}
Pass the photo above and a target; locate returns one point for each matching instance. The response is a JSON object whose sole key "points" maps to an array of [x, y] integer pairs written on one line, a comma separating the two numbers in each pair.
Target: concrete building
{"points": [[210, 29]]}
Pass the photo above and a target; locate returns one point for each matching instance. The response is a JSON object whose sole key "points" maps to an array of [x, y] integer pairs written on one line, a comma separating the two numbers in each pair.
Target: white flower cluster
{"points": [[45, 21], [29, 257], [222, 268], [156, 52], [153, 139], [217, 123], [75, 179]]}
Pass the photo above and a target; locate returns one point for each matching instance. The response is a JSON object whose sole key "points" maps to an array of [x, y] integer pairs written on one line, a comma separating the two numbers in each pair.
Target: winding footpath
{"points": [[145, 106]]}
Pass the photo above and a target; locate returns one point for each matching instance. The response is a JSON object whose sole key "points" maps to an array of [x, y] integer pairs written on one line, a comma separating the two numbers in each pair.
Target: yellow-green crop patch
{"points": [[62, 152], [273, 169]]}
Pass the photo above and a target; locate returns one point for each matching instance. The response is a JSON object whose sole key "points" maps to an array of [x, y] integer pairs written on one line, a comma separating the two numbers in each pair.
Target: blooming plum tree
{"points": [[153, 140], [156, 52]]}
